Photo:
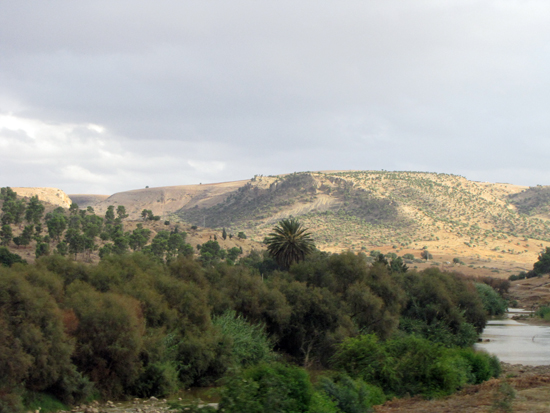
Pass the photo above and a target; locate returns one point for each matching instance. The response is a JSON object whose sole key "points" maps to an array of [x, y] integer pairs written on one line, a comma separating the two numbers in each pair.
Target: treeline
{"points": [[80, 233], [135, 325]]}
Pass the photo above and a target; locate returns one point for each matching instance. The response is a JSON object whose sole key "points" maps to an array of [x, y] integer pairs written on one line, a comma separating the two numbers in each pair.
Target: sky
{"points": [[101, 96]]}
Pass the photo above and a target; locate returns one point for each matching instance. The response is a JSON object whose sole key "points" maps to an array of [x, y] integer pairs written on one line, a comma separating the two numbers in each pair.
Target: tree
{"points": [[56, 223], [110, 214], [289, 242], [425, 254], [241, 235], [542, 266], [73, 209], [6, 234], [224, 234], [121, 212], [35, 210]]}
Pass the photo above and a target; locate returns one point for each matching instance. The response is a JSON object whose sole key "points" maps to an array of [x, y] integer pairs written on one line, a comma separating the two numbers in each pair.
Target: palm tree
{"points": [[289, 242]]}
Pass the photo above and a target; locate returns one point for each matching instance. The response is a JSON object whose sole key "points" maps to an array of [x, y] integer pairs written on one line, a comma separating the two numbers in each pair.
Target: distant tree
{"points": [[425, 254], [408, 256], [289, 242], [241, 235], [166, 222], [110, 214], [224, 234], [6, 235], [42, 248], [234, 253], [139, 237], [194, 227], [398, 266], [8, 194], [7, 259], [73, 209], [35, 211], [61, 248], [90, 210], [456, 260], [27, 234], [211, 251], [542, 266], [230, 236], [145, 213], [121, 212], [56, 223]]}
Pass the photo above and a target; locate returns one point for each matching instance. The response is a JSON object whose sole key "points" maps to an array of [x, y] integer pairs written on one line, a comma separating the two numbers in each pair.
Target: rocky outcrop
{"points": [[53, 196]]}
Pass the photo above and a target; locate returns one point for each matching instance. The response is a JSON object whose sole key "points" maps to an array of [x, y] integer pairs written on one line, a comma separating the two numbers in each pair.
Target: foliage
{"points": [[249, 343], [289, 242], [542, 266], [351, 396], [7, 259], [411, 365], [493, 303], [267, 388]]}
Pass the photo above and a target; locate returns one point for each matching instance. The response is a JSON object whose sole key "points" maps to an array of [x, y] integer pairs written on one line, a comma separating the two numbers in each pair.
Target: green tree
{"points": [[224, 234], [6, 234], [425, 254], [241, 235], [139, 237], [42, 248], [35, 211], [542, 266], [110, 214], [56, 223], [289, 242], [7, 259], [73, 209], [121, 212]]}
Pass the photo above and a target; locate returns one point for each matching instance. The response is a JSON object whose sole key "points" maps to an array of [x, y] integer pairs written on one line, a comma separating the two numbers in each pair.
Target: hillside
{"points": [[494, 227]]}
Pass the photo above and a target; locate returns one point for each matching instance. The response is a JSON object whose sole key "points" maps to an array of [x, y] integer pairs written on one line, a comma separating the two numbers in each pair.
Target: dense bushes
{"points": [[412, 365], [135, 326], [268, 388]]}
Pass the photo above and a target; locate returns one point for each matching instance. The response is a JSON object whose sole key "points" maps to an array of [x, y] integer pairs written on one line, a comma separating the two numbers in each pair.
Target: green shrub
{"points": [[156, 379], [249, 343], [351, 396], [412, 365], [493, 303], [465, 335], [267, 388], [543, 312], [43, 402], [322, 403]]}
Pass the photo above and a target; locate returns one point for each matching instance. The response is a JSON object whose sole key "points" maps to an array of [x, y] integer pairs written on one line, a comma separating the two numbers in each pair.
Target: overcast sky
{"points": [[106, 96]]}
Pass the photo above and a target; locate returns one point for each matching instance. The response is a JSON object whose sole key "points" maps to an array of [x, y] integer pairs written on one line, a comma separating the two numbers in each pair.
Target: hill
{"points": [[492, 227]]}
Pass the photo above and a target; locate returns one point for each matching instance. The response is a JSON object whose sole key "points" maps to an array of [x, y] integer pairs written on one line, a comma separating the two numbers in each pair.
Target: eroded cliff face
{"points": [[52, 195]]}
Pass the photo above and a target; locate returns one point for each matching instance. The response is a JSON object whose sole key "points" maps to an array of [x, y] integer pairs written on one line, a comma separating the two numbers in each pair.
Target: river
{"points": [[515, 342]]}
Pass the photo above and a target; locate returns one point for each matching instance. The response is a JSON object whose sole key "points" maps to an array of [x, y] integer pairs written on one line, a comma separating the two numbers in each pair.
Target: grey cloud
{"points": [[457, 86]]}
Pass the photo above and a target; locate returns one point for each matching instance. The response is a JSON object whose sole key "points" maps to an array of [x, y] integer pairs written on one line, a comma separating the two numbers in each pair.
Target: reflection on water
{"points": [[515, 342]]}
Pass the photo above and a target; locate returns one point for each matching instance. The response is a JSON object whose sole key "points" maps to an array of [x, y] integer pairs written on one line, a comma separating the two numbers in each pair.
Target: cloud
{"points": [[171, 92]]}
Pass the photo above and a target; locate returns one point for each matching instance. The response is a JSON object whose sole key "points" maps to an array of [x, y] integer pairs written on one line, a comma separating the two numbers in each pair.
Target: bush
{"points": [[351, 396], [249, 343], [493, 303], [413, 365], [268, 388], [544, 313]]}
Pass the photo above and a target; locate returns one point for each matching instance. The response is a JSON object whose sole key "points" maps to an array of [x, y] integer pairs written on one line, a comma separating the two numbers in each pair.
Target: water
{"points": [[516, 342]]}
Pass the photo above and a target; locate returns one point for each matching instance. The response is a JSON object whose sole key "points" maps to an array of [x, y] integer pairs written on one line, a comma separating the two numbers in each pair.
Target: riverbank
{"points": [[531, 385]]}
